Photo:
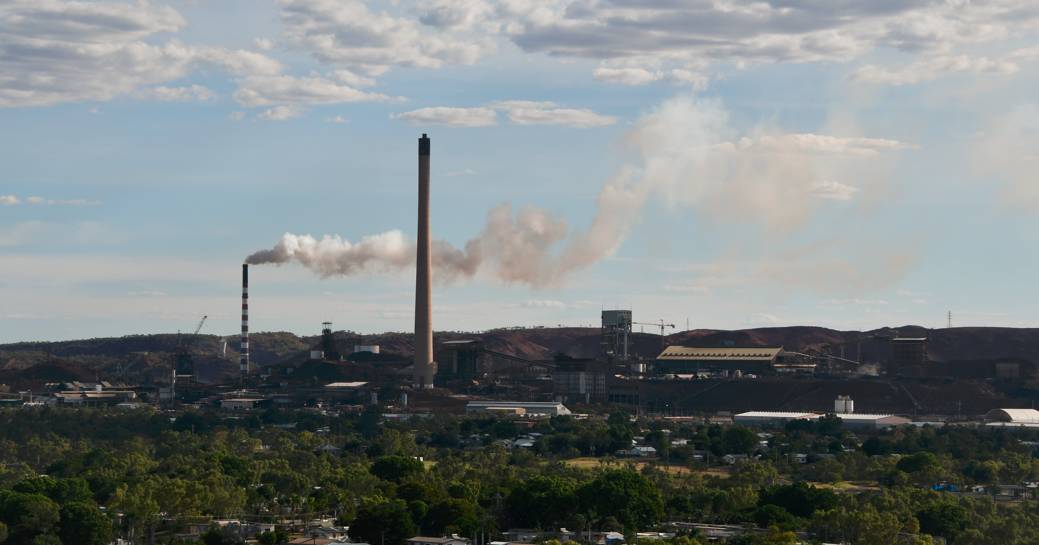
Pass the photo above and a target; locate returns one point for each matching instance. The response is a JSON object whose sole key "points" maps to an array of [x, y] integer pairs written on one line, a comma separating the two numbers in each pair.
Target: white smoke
{"points": [[685, 153]]}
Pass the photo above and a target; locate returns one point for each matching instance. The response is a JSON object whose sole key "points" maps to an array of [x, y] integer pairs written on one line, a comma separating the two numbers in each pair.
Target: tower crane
{"points": [[660, 323]]}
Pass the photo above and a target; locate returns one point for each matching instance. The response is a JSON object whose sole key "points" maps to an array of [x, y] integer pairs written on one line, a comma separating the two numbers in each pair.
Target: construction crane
{"points": [[182, 361], [183, 358], [661, 324]]}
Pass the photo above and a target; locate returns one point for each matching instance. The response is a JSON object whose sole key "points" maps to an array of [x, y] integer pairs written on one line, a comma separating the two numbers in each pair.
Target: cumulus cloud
{"points": [[519, 112], [352, 35], [829, 189], [932, 68], [55, 51], [61, 202], [526, 112], [11, 200], [176, 94], [450, 117], [282, 89], [684, 152], [280, 113], [632, 75]]}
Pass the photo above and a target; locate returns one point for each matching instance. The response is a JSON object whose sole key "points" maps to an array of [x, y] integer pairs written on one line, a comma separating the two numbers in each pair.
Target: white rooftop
{"points": [[778, 414]]}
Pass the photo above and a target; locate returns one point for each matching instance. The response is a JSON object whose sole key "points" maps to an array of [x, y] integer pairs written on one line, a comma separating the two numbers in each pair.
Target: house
{"points": [[452, 540], [240, 404], [637, 452], [732, 459]]}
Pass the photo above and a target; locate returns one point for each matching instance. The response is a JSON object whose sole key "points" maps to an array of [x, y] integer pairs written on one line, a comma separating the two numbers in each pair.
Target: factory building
{"points": [[582, 381], [850, 421], [459, 360], [616, 334], [687, 360], [908, 351], [772, 418], [518, 408], [1028, 417]]}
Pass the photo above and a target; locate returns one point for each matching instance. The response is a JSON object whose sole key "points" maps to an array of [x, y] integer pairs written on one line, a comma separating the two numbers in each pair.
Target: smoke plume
{"points": [[685, 153]]}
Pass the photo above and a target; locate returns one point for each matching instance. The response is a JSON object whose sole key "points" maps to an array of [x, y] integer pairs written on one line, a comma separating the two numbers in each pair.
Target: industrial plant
{"points": [[760, 376]]}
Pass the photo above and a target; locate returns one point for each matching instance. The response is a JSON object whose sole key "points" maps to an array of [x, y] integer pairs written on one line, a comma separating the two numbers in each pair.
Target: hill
{"points": [[144, 358]]}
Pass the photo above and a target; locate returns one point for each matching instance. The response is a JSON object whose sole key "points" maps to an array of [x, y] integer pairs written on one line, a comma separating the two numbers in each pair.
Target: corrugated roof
{"points": [[777, 414], [1029, 416], [345, 384], [726, 354]]}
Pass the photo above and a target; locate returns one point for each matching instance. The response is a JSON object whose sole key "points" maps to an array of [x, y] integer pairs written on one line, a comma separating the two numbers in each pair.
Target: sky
{"points": [[710, 163]]}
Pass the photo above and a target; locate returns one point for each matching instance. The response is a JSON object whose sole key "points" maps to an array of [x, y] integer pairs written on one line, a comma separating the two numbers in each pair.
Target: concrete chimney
{"points": [[243, 357], [425, 367]]}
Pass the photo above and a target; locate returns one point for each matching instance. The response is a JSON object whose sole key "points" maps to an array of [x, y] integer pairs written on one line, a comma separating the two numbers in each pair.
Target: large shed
{"points": [[688, 359], [1013, 416]]}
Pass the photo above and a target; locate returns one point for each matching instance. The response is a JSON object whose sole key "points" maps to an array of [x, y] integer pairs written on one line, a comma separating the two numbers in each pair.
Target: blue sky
{"points": [[848, 164]]}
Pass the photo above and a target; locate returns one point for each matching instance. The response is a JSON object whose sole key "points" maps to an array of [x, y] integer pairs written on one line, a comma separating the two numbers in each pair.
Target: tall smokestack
{"points": [[425, 367], [243, 358]]}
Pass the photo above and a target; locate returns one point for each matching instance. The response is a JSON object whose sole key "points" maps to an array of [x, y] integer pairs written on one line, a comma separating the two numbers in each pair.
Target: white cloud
{"points": [[263, 44], [450, 117], [284, 90], [176, 94], [280, 113], [54, 51], [236, 116], [352, 35], [544, 303], [525, 112], [932, 68], [11, 200], [337, 119], [829, 189], [519, 112], [631, 75], [454, 14]]}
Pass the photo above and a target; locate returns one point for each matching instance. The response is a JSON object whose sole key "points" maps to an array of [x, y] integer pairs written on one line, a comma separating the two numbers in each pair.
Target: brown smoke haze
{"points": [[685, 153]]}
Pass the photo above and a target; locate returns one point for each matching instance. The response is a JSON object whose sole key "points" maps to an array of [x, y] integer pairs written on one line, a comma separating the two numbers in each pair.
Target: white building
{"points": [[1013, 416], [780, 418], [772, 418]]}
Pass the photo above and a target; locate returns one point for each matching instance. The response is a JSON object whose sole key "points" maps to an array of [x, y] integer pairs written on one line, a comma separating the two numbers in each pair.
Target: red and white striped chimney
{"points": [[243, 357]]}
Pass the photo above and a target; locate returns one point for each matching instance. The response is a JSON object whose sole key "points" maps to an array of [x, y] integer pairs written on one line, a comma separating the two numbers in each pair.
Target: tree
{"points": [[945, 519], [221, 536], [624, 494], [383, 523], [799, 499], [27, 516], [84, 524], [396, 468], [3, 532], [542, 501], [277, 537], [739, 440]]}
